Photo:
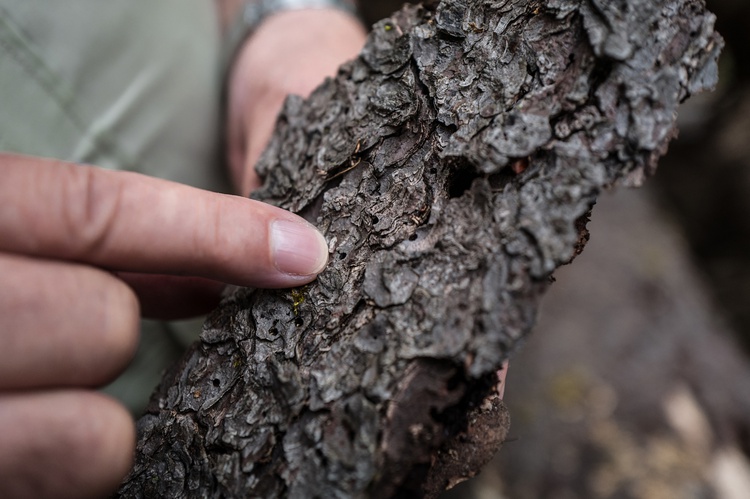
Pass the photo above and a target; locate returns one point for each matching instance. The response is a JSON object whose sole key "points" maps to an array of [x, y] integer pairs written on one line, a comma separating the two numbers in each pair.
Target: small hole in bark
{"points": [[413, 237], [216, 383], [298, 322], [375, 220], [460, 180], [599, 75], [342, 256], [273, 331], [351, 433]]}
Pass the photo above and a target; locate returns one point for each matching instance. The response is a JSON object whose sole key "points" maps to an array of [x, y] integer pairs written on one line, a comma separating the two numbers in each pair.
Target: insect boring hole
{"points": [[460, 179]]}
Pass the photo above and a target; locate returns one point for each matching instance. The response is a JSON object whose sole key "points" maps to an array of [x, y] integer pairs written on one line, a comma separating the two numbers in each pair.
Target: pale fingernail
{"points": [[297, 248]]}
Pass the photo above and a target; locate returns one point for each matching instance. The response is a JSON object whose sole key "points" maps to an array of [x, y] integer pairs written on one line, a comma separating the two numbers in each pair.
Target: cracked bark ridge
{"points": [[450, 167]]}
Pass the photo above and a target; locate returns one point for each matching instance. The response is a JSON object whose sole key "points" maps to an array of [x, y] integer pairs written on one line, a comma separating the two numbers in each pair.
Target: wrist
{"points": [[252, 13], [292, 51]]}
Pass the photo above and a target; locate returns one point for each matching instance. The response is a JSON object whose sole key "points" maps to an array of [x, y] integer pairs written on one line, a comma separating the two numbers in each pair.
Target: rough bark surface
{"points": [[451, 167]]}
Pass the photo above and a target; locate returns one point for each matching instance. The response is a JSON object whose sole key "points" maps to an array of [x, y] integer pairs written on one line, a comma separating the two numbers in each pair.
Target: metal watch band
{"points": [[255, 11]]}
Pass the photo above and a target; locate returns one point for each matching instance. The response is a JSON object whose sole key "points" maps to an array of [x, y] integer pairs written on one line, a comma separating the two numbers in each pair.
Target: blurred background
{"points": [[636, 380]]}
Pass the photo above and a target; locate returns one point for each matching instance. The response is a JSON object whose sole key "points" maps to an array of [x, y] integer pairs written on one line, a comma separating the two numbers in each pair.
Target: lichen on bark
{"points": [[450, 167]]}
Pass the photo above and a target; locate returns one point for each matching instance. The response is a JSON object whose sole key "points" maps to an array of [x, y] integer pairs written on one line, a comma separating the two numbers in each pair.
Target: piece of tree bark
{"points": [[451, 167]]}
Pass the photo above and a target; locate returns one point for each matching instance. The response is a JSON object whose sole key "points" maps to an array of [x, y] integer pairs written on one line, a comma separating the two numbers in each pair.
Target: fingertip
{"points": [[122, 326], [117, 447], [112, 340], [102, 440], [259, 245], [298, 249]]}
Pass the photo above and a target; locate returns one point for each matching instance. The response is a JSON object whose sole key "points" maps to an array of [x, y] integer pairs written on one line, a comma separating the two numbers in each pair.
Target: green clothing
{"points": [[126, 85]]}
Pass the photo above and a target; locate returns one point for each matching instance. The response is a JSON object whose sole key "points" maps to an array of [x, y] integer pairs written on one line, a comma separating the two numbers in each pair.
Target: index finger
{"points": [[132, 222]]}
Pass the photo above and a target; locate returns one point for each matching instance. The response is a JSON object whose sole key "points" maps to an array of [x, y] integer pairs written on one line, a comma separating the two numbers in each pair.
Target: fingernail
{"points": [[298, 248]]}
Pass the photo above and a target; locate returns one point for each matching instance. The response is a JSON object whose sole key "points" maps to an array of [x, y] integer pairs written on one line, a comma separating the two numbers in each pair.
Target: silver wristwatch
{"points": [[254, 12]]}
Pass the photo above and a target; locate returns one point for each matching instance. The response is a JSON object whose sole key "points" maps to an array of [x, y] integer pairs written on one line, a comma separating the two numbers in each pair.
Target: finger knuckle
{"points": [[90, 205], [112, 330]]}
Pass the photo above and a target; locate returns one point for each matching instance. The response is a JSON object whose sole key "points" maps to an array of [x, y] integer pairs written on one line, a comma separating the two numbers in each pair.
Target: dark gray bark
{"points": [[451, 167]]}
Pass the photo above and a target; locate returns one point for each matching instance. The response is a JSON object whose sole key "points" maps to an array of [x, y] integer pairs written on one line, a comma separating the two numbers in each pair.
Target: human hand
{"points": [[291, 52], [71, 237]]}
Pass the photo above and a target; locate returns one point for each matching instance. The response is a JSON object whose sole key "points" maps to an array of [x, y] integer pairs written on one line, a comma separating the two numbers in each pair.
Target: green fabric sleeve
{"points": [[123, 84]]}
